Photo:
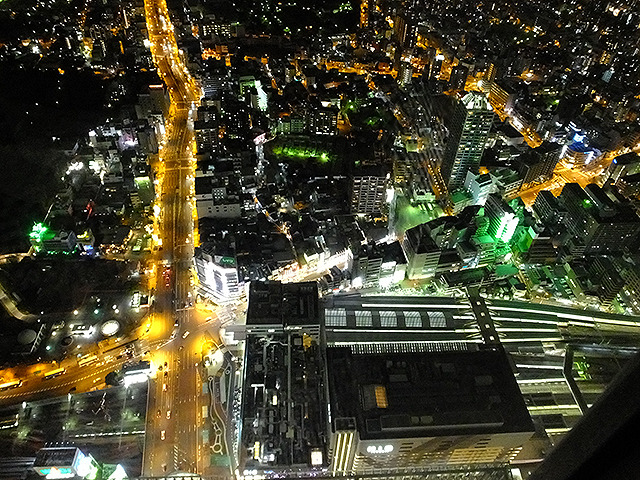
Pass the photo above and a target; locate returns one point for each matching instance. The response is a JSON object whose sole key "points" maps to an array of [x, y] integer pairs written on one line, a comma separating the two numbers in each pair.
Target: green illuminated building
{"points": [[503, 220], [43, 239]]}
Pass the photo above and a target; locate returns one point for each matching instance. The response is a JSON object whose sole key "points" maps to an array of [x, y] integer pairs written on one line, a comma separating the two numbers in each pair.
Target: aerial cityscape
{"points": [[363, 239]]}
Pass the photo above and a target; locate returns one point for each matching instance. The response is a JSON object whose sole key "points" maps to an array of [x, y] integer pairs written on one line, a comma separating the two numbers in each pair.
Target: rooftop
{"points": [[403, 395], [283, 303]]}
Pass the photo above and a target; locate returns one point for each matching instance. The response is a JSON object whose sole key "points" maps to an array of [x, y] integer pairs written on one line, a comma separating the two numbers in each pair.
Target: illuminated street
{"points": [[174, 415], [344, 239]]}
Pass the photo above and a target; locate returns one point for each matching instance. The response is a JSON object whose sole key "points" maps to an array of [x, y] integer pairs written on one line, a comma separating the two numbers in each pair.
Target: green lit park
{"points": [[302, 152]]}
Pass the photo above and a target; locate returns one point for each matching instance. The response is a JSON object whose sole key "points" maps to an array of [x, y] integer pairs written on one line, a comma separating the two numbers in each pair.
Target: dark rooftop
{"points": [[426, 394], [55, 456], [283, 303]]}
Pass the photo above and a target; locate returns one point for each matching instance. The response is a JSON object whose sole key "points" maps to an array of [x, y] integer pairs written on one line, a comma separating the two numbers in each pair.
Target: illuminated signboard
{"points": [[56, 472], [377, 449], [316, 457]]}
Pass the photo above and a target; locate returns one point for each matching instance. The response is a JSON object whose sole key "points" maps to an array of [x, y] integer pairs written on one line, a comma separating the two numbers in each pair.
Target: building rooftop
{"points": [[403, 395], [283, 409], [626, 159], [283, 303], [476, 101], [55, 456]]}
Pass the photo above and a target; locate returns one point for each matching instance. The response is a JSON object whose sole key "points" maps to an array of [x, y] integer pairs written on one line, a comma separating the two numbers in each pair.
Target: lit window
{"points": [[381, 396]]}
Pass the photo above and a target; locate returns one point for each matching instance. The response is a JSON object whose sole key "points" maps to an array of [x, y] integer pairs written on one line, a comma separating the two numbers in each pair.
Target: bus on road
{"points": [[12, 384], [54, 373], [87, 360]]}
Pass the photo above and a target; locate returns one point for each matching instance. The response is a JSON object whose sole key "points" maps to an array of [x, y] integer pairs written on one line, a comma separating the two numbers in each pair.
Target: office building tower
{"points": [[547, 209], [469, 128], [458, 77], [607, 282], [369, 191], [629, 185], [436, 66], [364, 13], [623, 165], [421, 251], [323, 121], [207, 135], [479, 187], [602, 225], [405, 72], [501, 98], [503, 220], [537, 165]]}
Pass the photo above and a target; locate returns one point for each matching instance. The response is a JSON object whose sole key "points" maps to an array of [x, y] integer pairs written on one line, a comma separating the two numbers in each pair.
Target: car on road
{"points": [[168, 414], [163, 435], [164, 387], [158, 414], [185, 334]]}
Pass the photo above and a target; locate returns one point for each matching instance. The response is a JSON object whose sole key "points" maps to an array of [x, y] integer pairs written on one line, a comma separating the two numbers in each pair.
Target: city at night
{"points": [[339, 239]]}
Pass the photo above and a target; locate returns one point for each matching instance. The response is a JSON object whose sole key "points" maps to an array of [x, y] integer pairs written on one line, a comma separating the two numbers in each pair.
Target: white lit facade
{"points": [[218, 276]]}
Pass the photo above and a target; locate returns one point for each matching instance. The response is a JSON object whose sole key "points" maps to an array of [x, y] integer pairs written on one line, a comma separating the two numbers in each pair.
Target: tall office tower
{"points": [[469, 129], [458, 77], [536, 165], [436, 66], [364, 13], [503, 221], [602, 225], [369, 190], [490, 74], [405, 73], [623, 165]]}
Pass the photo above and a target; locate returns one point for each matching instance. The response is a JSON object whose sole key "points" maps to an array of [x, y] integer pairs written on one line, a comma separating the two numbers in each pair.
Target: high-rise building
{"points": [[207, 136], [537, 165], [607, 281], [369, 191], [421, 251], [503, 221], [602, 225], [458, 77], [436, 66], [323, 121], [479, 187], [469, 128], [548, 210], [405, 73], [623, 165], [364, 13], [501, 98]]}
